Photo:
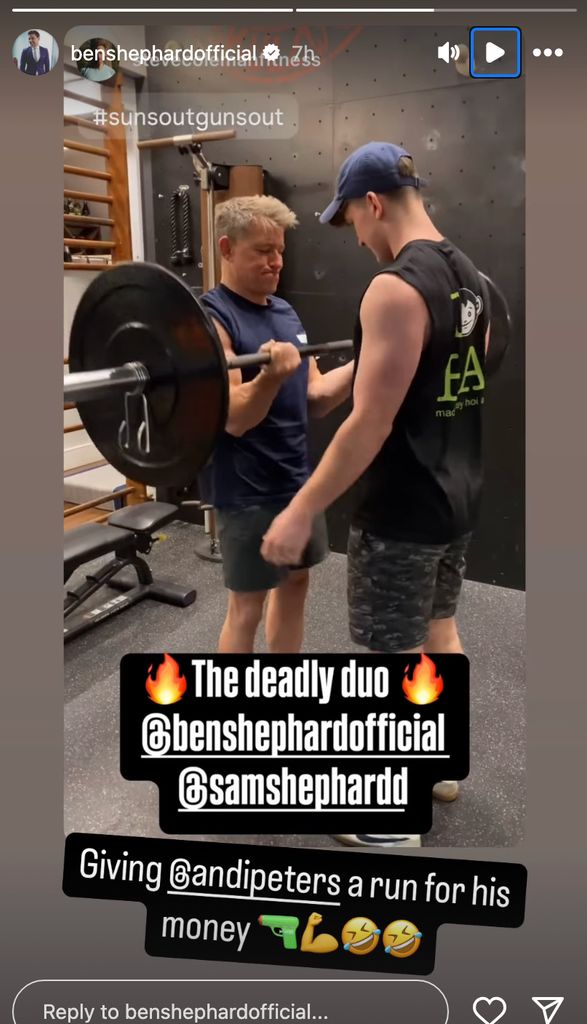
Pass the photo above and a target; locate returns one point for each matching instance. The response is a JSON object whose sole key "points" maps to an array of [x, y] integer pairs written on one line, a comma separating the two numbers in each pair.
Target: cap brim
{"points": [[331, 210]]}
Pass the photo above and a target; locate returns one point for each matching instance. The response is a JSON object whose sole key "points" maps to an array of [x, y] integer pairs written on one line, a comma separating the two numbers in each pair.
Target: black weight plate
{"points": [[500, 336], [142, 312]]}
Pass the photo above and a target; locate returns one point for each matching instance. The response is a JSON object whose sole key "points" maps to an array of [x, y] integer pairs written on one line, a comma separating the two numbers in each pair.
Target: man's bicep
{"points": [[386, 370], [394, 328], [234, 376]]}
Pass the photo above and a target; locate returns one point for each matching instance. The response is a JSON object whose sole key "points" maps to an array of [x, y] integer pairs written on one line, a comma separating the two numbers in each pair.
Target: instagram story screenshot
{"points": [[295, 732]]}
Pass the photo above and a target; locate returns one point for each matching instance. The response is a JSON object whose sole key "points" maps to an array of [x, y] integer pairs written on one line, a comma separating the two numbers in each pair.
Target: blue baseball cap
{"points": [[371, 168]]}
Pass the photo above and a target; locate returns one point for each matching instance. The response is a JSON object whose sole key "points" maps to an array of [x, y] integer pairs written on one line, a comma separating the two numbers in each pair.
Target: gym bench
{"points": [[129, 531]]}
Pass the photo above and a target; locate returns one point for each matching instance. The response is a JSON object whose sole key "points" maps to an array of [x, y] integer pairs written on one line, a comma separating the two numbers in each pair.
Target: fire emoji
{"points": [[169, 685], [426, 684]]}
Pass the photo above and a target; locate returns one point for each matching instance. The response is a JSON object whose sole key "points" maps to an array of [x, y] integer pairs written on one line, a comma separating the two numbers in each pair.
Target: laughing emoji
{"points": [[360, 935], [402, 939]]}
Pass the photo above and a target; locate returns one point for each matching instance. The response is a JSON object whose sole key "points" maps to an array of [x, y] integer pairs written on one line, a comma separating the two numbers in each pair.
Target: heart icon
{"points": [[492, 1009]]}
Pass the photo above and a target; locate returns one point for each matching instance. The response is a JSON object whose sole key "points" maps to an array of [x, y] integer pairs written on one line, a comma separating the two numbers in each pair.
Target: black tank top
{"points": [[425, 483]]}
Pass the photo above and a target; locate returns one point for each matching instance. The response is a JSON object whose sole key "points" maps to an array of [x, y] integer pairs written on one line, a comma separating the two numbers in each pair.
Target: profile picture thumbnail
{"points": [[96, 59], [35, 52]]}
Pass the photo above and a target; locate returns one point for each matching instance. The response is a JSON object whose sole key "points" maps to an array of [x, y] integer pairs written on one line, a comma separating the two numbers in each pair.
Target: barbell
{"points": [[150, 377]]}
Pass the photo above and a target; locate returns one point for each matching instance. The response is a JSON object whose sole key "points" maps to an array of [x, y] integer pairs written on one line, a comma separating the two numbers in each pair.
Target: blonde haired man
{"points": [[262, 459]]}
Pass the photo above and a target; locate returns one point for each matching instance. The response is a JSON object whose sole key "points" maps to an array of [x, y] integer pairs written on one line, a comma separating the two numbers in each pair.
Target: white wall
{"points": [[78, 448]]}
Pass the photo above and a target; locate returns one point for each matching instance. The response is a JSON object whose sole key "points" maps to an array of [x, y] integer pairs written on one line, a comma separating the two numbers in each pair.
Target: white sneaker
{"points": [[364, 840], [446, 791]]}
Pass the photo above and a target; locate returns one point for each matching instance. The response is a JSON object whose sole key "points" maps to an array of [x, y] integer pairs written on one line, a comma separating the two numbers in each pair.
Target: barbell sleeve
{"points": [[91, 385]]}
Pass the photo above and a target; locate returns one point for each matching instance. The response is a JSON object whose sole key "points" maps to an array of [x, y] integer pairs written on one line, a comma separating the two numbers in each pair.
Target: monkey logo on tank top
{"points": [[471, 309]]}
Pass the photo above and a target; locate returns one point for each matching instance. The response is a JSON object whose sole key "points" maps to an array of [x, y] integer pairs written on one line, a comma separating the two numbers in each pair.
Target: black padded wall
{"points": [[467, 138]]}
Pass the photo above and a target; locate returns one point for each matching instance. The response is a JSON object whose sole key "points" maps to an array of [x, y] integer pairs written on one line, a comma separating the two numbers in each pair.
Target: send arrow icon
{"points": [[550, 1005], [493, 52]]}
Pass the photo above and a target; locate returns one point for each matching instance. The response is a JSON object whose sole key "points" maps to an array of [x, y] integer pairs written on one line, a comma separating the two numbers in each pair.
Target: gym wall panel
{"points": [[467, 138]]}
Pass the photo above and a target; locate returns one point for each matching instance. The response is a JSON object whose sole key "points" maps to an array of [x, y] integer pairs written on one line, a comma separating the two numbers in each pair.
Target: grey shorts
{"points": [[240, 532], [396, 588]]}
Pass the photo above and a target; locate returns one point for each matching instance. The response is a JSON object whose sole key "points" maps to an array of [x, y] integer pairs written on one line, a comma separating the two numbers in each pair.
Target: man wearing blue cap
{"points": [[413, 437]]}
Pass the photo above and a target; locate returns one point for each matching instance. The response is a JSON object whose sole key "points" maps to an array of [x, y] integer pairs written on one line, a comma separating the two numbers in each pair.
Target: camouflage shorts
{"points": [[395, 588]]}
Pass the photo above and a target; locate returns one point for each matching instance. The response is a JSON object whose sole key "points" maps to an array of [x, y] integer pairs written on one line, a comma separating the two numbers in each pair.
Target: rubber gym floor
{"points": [[490, 808]]}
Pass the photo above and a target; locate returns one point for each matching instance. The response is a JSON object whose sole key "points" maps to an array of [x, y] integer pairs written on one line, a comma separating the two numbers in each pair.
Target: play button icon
{"points": [[493, 52]]}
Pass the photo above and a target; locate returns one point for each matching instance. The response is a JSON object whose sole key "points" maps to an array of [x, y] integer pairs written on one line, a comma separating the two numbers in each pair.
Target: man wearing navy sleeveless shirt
{"points": [[413, 437], [262, 458]]}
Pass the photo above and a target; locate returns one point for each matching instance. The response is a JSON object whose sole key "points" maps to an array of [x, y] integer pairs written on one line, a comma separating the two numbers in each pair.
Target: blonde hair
{"points": [[235, 217], [406, 169], [405, 193]]}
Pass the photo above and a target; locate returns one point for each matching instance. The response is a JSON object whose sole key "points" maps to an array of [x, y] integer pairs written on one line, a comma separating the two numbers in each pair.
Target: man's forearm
{"points": [[351, 451], [249, 403], [330, 390]]}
